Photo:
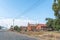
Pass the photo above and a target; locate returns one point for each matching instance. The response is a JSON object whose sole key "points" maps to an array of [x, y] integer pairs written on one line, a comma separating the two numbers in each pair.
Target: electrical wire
{"points": [[36, 4]]}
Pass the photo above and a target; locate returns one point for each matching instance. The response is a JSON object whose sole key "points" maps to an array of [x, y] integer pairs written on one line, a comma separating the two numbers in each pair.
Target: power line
{"points": [[36, 4]]}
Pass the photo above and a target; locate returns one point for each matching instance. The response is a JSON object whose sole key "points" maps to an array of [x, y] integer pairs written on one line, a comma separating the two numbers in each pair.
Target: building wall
{"points": [[29, 28], [38, 27]]}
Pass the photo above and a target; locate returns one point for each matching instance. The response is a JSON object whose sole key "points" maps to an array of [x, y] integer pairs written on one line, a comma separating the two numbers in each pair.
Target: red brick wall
{"points": [[29, 28], [38, 27]]}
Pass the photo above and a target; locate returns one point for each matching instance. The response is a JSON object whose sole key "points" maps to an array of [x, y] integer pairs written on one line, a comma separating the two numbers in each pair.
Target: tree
{"points": [[49, 23], [0, 27], [56, 8], [55, 23], [16, 28]]}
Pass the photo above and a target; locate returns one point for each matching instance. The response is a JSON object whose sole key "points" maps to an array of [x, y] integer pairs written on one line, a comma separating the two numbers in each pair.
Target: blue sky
{"points": [[36, 10]]}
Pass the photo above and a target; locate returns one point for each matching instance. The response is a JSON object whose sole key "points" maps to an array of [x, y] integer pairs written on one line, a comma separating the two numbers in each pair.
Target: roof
{"points": [[36, 24], [42, 24], [32, 24]]}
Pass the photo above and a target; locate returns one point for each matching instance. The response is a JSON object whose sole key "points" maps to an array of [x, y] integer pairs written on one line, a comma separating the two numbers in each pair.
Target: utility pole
{"points": [[12, 27], [13, 23]]}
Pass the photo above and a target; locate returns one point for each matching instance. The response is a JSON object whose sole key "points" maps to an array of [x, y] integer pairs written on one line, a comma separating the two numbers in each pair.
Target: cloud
{"points": [[20, 22]]}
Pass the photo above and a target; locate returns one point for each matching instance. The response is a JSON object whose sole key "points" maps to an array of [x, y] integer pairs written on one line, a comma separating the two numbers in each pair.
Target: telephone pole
{"points": [[13, 23]]}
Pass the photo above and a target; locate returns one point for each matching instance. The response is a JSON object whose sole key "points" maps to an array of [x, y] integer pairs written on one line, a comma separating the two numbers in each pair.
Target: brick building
{"points": [[36, 27], [31, 27]]}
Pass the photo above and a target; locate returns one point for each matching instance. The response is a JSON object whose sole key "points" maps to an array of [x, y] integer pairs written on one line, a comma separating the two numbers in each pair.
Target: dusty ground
{"points": [[44, 35]]}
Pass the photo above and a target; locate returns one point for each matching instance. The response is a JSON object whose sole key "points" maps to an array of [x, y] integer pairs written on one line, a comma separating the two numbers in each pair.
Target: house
{"points": [[41, 27], [36, 27], [31, 27]]}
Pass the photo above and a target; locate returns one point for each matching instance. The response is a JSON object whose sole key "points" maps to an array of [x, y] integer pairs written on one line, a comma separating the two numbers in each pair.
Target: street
{"points": [[6, 35]]}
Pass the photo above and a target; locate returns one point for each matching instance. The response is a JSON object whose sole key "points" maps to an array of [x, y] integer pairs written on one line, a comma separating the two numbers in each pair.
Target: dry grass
{"points": [[44, 35], [35, 33], [51, 36]]}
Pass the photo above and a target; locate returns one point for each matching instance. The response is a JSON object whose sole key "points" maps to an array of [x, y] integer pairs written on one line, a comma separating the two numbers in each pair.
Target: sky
{"points": [[24, 11]]}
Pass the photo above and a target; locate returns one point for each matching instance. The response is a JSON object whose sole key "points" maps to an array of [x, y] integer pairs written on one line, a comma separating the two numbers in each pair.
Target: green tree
{"points": [[55, 23], [16, 28], [49, 23], [0, 27], [56, 8]]}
